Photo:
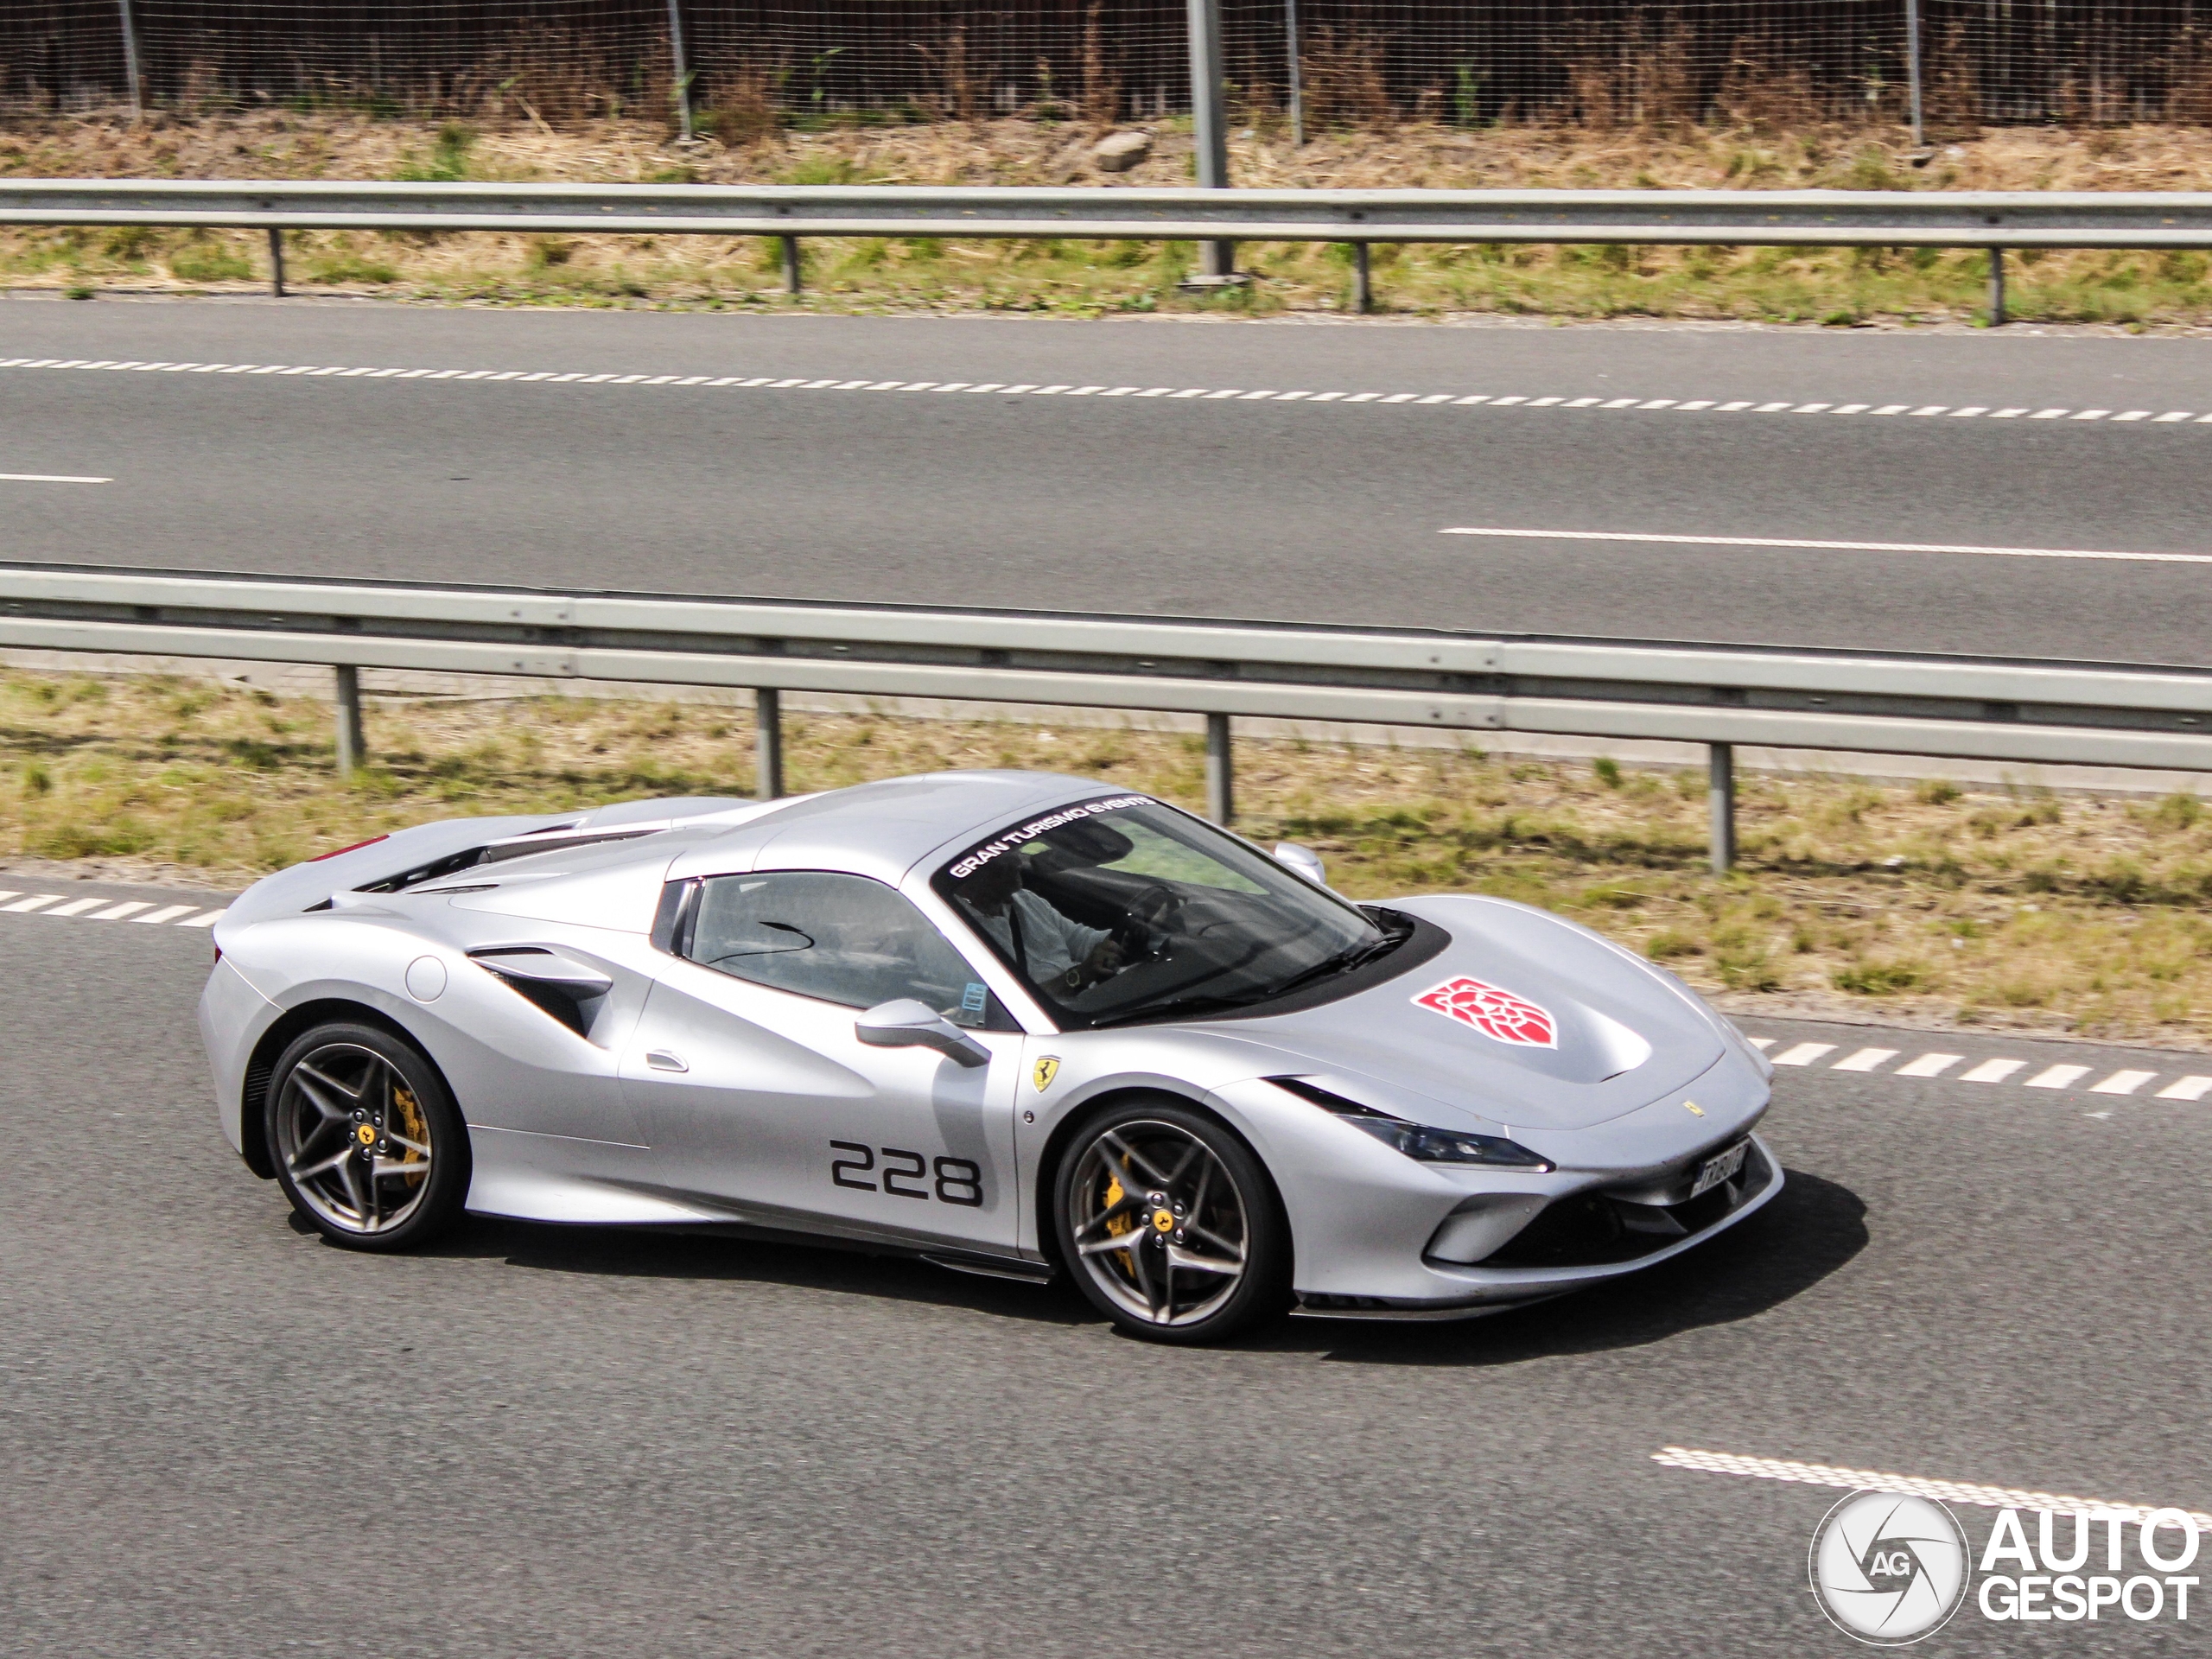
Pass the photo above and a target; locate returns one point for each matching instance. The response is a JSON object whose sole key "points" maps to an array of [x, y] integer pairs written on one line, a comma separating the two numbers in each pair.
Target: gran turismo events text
{"points": [[2051, 1580]]}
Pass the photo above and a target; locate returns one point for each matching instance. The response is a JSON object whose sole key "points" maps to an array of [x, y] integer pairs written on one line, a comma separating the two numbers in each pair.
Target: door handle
{"points": [[663, 1060]]}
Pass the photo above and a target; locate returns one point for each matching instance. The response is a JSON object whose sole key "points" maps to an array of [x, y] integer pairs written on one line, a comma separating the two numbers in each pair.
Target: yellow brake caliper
{"points": [[1117, 1226], [413, 1126]]}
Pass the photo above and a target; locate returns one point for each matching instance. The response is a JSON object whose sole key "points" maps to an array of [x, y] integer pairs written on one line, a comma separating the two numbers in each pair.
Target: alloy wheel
{"points": [[1158, 1222], [354, 1139]]}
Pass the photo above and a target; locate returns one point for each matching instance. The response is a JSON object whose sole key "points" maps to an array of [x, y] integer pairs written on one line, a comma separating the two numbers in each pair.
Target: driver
{"points": [[1051, 948]]}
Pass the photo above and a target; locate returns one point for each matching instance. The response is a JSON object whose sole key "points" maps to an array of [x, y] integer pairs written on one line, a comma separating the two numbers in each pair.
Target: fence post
{"points": [[1912, 70], [1297, 78], [1997, 288], [1362, 295], [1208, 124], [1221, 783], [768, 764], [792, 283], [276, 262], [1721, 786], [683, 72], [352, 751], [130, 60]]}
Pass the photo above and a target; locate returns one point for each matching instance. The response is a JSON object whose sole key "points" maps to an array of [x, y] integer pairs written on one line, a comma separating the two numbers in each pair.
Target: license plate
{"points": [[1721, 1166]]}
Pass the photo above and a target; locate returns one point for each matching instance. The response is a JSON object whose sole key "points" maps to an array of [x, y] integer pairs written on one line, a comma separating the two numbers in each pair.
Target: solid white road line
{"points": [[1928, 1065], [49, 478], [1819, 546], [1874, 1480]]}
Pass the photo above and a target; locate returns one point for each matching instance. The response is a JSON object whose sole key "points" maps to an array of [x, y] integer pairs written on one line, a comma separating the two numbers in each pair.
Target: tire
{"points": [[1199, 1201], [350, 1107]]}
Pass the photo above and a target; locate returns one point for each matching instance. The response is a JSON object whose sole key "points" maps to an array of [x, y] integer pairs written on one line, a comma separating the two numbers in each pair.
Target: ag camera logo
{"points": [[1889, 1568]]}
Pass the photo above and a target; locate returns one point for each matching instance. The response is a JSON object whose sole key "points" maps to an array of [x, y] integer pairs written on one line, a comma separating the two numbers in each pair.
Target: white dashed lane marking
{"points": [[1929, 1066], [49, 478], [1997, 1070], [1024, 388], [105, 909]]}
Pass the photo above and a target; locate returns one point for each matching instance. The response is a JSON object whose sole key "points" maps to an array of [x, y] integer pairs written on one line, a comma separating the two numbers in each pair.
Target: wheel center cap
{"points": [[366, 1133], [1163, 1221]]}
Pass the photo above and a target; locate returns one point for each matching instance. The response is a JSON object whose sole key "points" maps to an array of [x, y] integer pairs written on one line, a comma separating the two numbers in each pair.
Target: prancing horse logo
{"points": [[1047, 1068]]}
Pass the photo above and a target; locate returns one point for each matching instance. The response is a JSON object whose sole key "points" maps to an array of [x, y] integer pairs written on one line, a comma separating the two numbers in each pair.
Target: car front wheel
{"points": [[1170, 1225], [367, 1141]]}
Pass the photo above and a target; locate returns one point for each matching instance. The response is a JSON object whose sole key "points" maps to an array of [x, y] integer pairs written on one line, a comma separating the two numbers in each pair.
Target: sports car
{"points": [[1014, 1023]]}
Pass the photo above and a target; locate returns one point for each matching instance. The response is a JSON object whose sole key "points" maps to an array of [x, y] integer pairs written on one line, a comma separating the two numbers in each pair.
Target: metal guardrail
{"points": [[1722, 695], [1995, 220], [1943, 218]]}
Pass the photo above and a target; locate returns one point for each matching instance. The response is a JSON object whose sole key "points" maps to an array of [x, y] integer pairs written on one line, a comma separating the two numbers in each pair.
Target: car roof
{"points": [[882, 829]]}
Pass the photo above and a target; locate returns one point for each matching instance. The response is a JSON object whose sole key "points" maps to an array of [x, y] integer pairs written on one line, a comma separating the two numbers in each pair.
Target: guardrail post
{"points": [[1362, 293], [1221, 802], [1297, 76], [1912, 70], [352, 751], [1721, 788], [1208, 124], [1997, 288], [130, 70], [768, 762], [791, 264], [276, 262], [683, 73]]}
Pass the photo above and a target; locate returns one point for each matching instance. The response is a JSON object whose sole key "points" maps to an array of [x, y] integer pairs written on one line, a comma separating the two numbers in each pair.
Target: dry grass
{"points": [[1840, 287], [1912, 903]]}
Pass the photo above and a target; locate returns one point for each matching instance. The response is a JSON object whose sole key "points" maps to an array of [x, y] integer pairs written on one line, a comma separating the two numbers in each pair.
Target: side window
{"points": [[843, 939]]}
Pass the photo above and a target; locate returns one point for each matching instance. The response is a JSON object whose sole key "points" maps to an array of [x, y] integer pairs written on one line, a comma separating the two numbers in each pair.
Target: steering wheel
{"points": [[1144, 933]]}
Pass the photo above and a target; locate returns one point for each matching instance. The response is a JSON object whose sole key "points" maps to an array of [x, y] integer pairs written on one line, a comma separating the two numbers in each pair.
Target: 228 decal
{"points": [[908, 1175]]}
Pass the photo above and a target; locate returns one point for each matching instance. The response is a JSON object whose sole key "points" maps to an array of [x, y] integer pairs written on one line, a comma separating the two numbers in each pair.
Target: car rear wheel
{"points": [[365, 1139], [1170, 1225]]}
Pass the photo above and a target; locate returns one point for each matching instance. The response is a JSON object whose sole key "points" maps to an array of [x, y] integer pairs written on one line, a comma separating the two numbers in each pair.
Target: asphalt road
{"points": [[1316, 510], [219, 1436]]}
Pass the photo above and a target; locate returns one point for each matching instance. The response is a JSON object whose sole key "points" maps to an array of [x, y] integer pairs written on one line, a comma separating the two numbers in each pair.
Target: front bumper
{"points": [[1452, 1291]]}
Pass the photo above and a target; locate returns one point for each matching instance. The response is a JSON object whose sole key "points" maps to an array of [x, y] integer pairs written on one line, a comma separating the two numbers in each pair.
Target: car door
{"points": [[757, 1096]]}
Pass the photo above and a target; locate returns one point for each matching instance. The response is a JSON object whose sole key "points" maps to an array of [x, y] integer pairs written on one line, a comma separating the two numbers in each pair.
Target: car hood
{"points": [[1620, 1033]]}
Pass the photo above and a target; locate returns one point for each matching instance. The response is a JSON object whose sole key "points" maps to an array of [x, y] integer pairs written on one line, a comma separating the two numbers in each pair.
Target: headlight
{"points": [[1416, 1141]]}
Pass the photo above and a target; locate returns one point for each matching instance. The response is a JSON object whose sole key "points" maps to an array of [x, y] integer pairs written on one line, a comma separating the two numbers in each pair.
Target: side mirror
{"points": [[907, 1023], [1304, 860]]}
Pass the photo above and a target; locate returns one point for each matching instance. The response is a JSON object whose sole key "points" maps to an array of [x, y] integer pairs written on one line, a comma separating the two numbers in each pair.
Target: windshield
{"points": [[1121, 909]]}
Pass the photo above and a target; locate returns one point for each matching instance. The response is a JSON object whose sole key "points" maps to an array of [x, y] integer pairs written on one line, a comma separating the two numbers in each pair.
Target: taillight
{"points": [[339, 852]]}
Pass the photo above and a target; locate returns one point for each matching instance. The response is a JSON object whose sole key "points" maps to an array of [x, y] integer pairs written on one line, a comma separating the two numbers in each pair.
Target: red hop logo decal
{"points": [[1493, 1012]]}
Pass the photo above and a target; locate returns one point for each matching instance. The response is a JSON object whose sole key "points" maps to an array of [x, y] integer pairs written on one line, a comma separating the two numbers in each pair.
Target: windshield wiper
{"points": [[1346, 960], [1183, 1005]]}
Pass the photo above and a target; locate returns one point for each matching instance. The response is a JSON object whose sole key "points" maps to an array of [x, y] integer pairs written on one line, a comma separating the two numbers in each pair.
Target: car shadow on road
{"points": [[658, 1253], [1813, 1228]]}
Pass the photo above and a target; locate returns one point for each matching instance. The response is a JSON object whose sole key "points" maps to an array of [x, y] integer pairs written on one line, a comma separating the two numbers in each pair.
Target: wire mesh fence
{"points": [[748, 64]]}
